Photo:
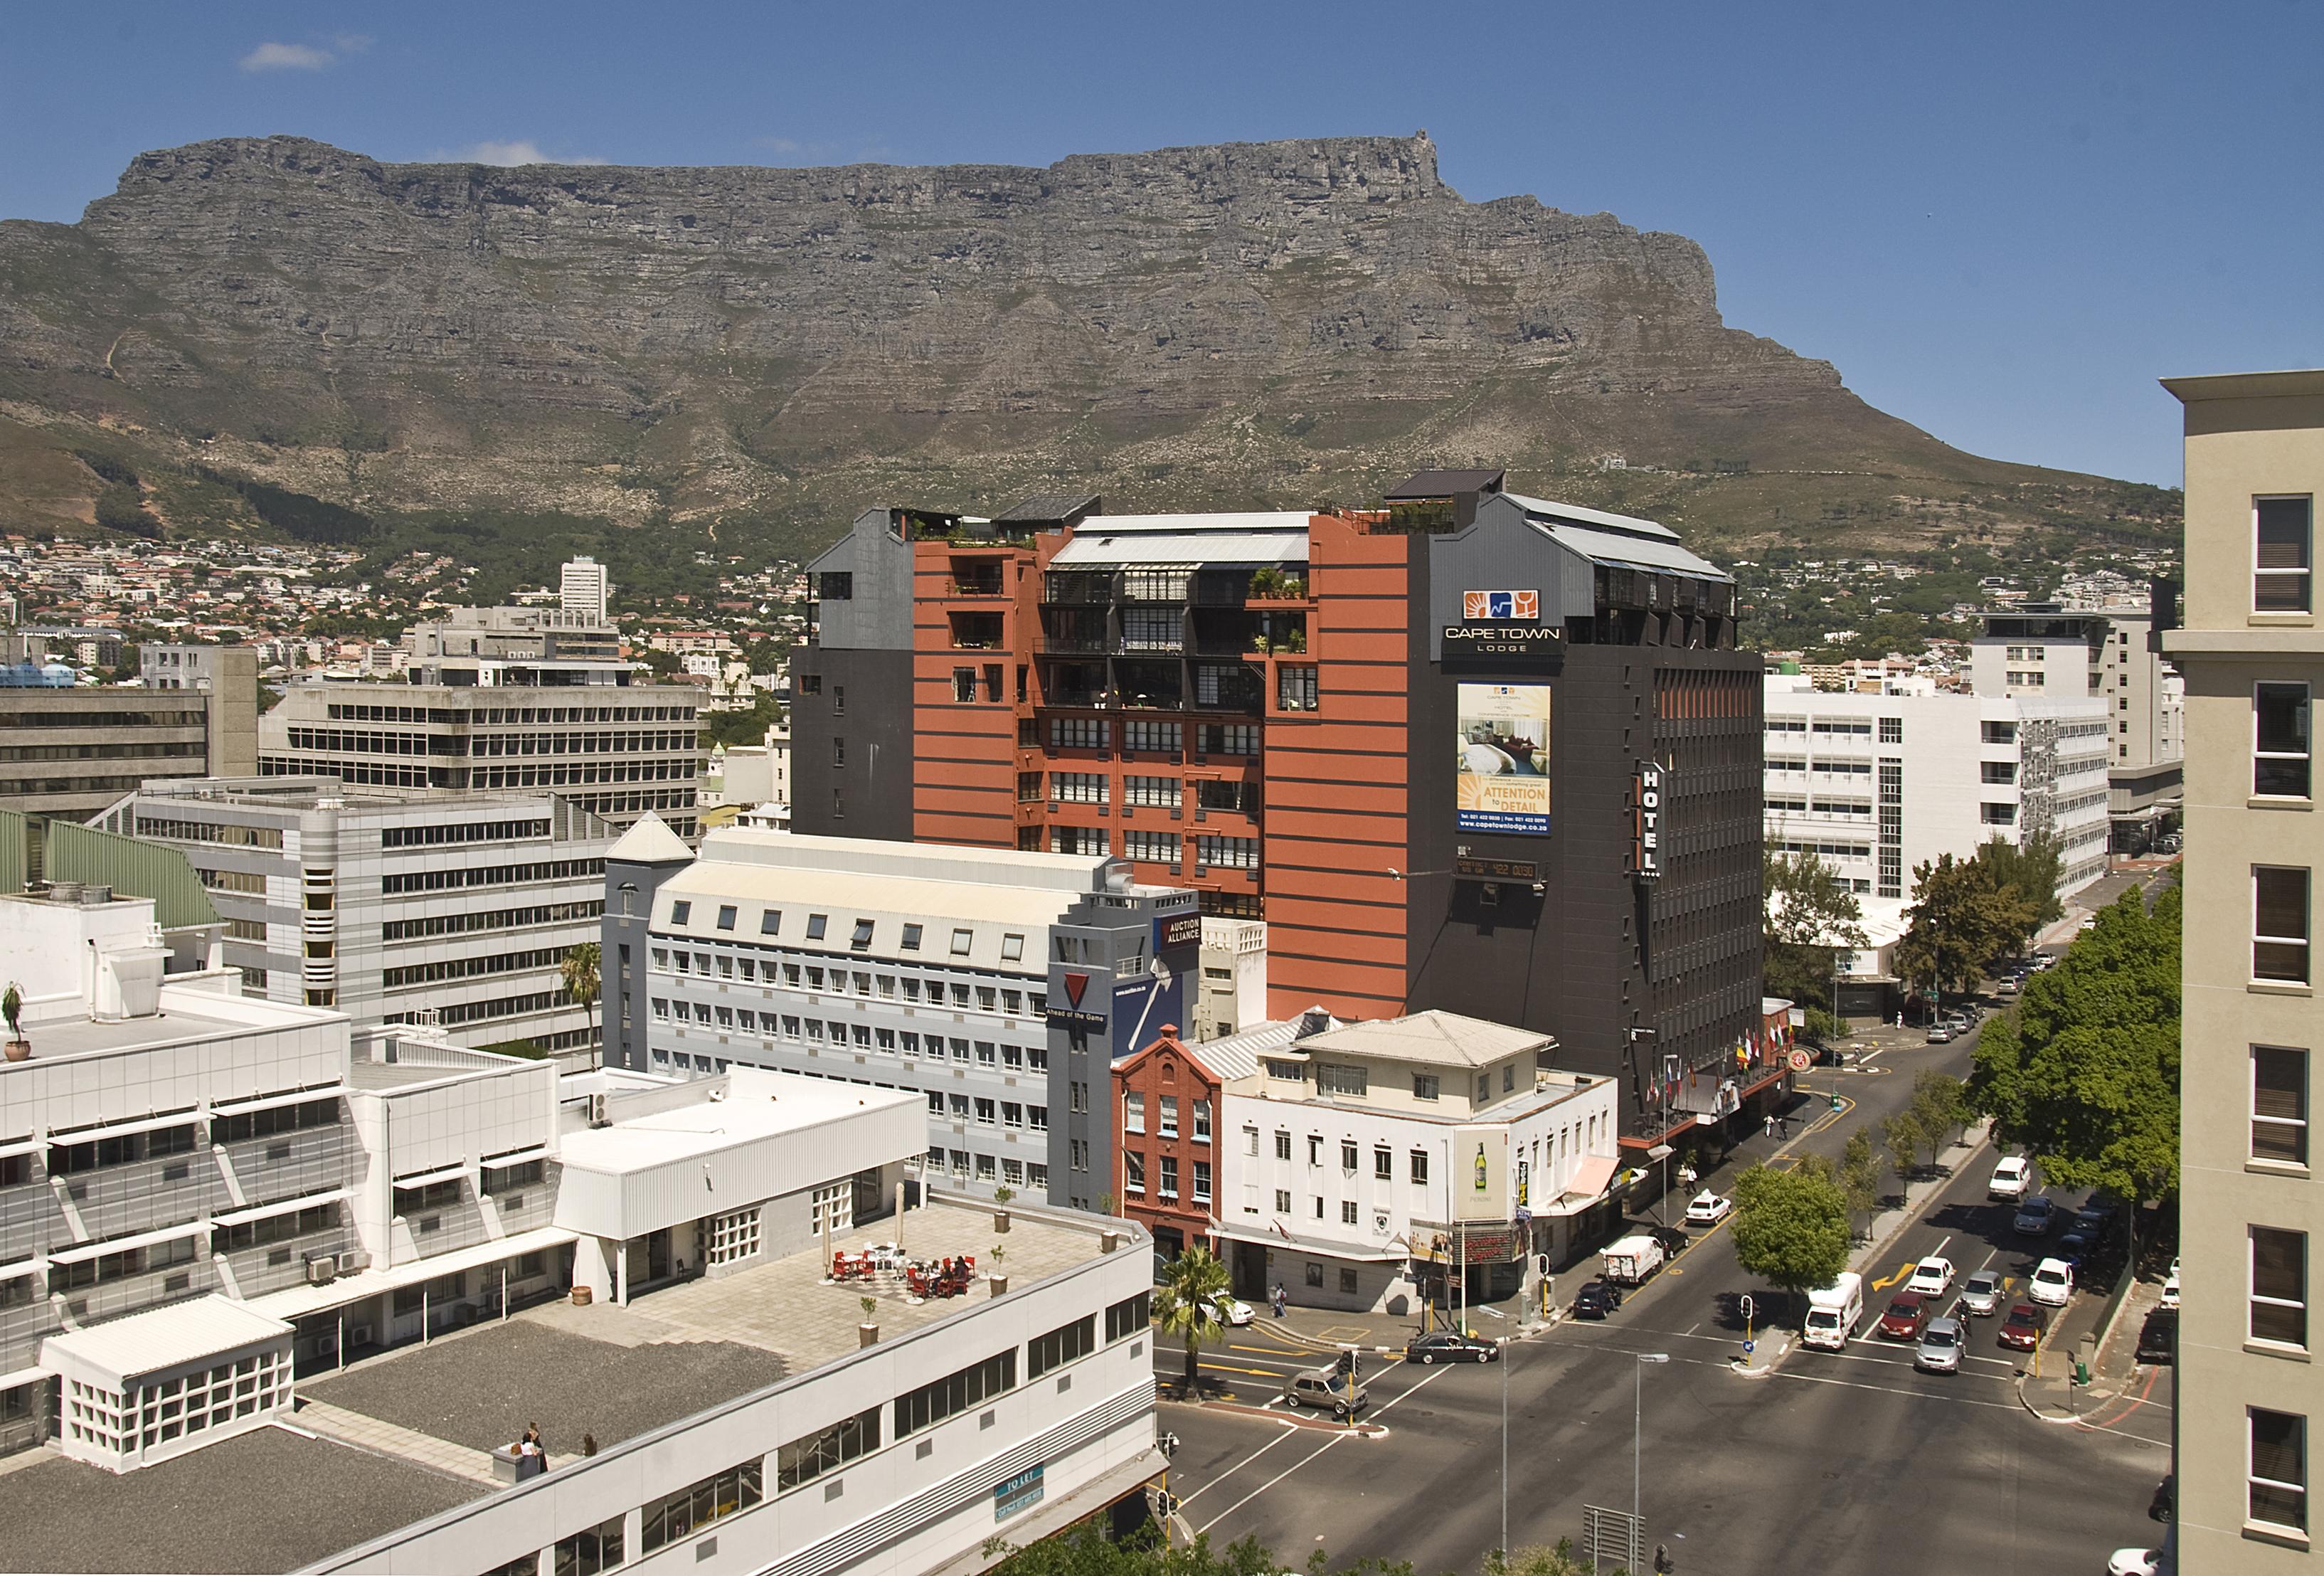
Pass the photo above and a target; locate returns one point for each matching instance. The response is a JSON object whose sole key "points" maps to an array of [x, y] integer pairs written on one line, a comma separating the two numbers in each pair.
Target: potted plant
{"points": [[999, 1275], [867, 1333], [12, 1006], [1267, 583], [1000, 1197]]}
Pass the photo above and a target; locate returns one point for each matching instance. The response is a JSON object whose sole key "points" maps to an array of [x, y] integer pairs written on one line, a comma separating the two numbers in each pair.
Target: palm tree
{"points": [[1184, 1305], [580, 972]]}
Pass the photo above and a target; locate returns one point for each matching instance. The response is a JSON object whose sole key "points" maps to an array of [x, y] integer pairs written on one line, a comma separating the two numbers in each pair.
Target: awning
{"points": [[1590, 1178], [441, 1174], [180, 1335], [279, 1207], [151, 1124], [298, 1301], [271, 1102], [523, 1156], [1390, 1252], [75, 1255]]}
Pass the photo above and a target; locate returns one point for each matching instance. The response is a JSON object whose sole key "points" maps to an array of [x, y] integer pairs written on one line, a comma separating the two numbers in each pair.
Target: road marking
{"points": [[1290, 1431], [1337, 1440]]}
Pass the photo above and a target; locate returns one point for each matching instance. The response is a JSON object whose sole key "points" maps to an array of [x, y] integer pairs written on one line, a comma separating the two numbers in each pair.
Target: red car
{"points": [[2023, 1329], [1906, 1316]]}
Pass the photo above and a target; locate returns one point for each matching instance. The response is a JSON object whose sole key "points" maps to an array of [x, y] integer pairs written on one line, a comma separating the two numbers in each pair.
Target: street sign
{"points": [[1749, 1347], [1800, 1060], [1613, 1537]]}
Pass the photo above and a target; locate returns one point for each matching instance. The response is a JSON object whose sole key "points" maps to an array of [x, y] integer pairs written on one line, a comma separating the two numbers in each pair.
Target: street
{"points": [[1827, 1462]]}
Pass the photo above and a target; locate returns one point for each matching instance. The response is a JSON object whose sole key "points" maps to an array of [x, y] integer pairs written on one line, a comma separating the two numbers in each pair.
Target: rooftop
{"points": [[759, 1105], [1433, 1038], [419, 1421]]}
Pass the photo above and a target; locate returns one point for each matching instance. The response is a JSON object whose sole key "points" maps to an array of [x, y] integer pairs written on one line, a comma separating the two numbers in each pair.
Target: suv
{"points": [[2012, 1175], [1325, 1391]]}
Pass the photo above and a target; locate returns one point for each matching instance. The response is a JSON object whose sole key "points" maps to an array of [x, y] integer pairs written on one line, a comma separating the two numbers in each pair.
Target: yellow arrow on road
{"points": [[1883, 1284]]}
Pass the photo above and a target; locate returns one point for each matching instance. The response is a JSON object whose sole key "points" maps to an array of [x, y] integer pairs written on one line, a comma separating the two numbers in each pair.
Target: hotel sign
{"points": [[1500, 626], [1645, 820]]}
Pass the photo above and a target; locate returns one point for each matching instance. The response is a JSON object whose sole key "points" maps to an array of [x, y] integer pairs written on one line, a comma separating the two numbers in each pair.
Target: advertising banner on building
{"points": [[1481, 1173], [1502, 771]]}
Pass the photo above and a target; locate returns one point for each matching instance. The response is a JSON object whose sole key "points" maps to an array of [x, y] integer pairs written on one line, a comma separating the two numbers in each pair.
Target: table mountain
{"points": [[1278, 323]]}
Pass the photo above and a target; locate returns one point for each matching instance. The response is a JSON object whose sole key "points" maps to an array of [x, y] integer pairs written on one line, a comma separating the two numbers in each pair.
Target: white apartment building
{"points": [[996, 984], [1374, 1165], [583, 589], [2039, 651], [1875, 785], [1233, 994], [450, 912]]}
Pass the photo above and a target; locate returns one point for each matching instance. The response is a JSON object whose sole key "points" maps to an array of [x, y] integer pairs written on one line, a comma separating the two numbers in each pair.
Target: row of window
{"points": [[814, 1031], [862, 933], [1133, 1116], [492, 875], [962, 1163], [492, 919], [963, 995], [1154, 738], [988, 1110], [507, 962], [1134, 1175], [429, 835]]}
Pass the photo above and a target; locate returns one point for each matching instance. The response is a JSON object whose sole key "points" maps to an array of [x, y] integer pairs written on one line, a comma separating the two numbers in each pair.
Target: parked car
{"points": [[2036, 1217], [2158, 1338], [2137, 1563], [1596, 1299], [2053, 1282], [1907, 1316], [1939, 1352], [1932, 1277], [2075, 1246], [1450, 1346], [2012, 1175], [1980, 1294], [2164, 1505], [2170, 1287], [2023, 1328], [1939, 1034], [2095, 1216], [1231, 1310], [1708, 1209], [1327, 1392]]}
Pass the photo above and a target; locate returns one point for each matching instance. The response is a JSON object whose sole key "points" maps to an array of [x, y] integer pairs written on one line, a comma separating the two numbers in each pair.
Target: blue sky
{"points": [[2002, 223]]}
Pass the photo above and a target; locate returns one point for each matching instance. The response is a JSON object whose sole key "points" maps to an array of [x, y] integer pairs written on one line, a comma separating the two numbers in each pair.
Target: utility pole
{"points": [[1638, 1433]]}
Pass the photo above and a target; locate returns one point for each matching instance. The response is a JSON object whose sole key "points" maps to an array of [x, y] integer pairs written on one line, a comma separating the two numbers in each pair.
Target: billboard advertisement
{"points": [[1501, 781], [1481, 1173]]}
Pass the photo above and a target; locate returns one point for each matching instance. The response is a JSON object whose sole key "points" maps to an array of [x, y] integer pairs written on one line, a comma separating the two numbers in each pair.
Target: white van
{"points": [[1833, 1311]]}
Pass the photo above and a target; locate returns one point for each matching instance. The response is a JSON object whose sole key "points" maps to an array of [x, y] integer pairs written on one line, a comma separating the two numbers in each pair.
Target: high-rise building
{"points": [[583, 591], [997, 984], [503, 698], [394, 906], [2250, 1208], [1470, 750]]}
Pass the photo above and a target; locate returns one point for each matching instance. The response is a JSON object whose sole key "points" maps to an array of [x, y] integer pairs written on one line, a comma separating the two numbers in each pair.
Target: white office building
{"points": [[1875, 785], [996, 984], [584, 590], [1374, 1165], [397, 908]]}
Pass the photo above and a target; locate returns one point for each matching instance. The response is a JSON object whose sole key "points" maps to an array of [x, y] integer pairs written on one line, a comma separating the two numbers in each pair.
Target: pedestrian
{"points": [[1277, 1299], [1771, 1124]]}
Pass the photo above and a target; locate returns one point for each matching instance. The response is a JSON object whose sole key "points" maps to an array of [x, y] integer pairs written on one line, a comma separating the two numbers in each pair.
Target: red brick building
{"points": [[1166, 1106]]}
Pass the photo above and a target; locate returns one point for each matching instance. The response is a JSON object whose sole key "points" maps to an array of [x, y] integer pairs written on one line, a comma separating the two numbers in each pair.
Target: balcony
{"points": [[970, 577], [977, 632]]}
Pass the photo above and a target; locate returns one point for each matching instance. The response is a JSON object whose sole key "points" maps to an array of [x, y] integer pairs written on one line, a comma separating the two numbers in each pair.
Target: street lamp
{"points": [[1661, 1152], [1638, 1425], [1503, 1361]]}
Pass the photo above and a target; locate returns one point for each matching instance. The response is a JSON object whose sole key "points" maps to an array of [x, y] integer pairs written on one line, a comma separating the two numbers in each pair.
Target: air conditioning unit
{"points": [[322, 1269], [358, 1335], [597, 1116], [354, 1259]]}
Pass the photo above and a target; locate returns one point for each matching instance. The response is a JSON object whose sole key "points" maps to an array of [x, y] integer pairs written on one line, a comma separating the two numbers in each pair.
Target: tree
{"points": [[1807, 914], [1791, 1228], [1536, 1560], [579, 971], [1191, 1283], [1088, 1551], [2031, 870], [1958, 922], [2084, 1073], [1940, 1107], [1860, 1173], [1902, 1133]]}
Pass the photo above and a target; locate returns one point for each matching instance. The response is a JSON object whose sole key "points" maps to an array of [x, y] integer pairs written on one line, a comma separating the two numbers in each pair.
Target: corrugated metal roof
{"points": [[1422, 485], [175, 1336], [1042, 506], [1607, 547], [133, 867], [1093, 549], [1237, 1056], [1576, 513]]}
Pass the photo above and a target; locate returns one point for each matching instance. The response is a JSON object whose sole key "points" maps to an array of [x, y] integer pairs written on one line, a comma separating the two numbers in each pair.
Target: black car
{"points": [[2158, 1338], [1450, 1346], [1673, 1240], [2165, 1503], [1596, 1299]]}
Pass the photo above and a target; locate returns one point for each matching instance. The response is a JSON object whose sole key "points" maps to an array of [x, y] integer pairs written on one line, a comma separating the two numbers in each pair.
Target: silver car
{"points": [[1980, 1294], [1941, 1347]]}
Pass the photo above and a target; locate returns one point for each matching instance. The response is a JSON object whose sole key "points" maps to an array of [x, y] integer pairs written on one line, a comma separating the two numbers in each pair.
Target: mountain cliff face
{"points": [[1284, 322]]}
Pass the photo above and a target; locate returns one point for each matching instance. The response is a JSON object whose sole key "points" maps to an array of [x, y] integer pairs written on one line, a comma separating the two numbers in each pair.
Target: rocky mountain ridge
{"points": [[770, 348]]}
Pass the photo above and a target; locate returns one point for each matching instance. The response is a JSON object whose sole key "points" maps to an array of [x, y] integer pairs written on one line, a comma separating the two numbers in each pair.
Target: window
{"points": [[1282, 1145], [2000, 732], [961, 940], [817, 925], [1202, 1182], [1892, 730], [1282, 1201], [1133, 1111], [1347, 1211], [2279, 740], [1133, 1171], [964, 684], [726, 917], [2282, 554], [680, 912], [911, 943], [862, 938], [1079, 733], [1314, 1276], [1170, 1176], [1079, 787], [1230, 739], [1289, 1072], [955, 1393], [1227, 853], [1086, 842], [585, 1552], [681, 1514], [1169, 1125], [1128, 1317], [1158, 793], [1341, 1078], [826, 1450], [2278, 1482], [2279, 1285], [2279, 923], [1383, 1164], [1154, 847], [1508, 1077], [1314, 1149], [1202, 1121], [2000, 814], [1348, 1156], [1426, 1086], [1418, 1160], [1295, 688], [2002, 771], [2279, 1105], [1046, 1353]]}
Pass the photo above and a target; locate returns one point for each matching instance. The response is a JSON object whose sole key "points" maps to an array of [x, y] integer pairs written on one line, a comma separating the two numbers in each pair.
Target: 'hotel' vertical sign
{"points": [[1645, 820]]}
